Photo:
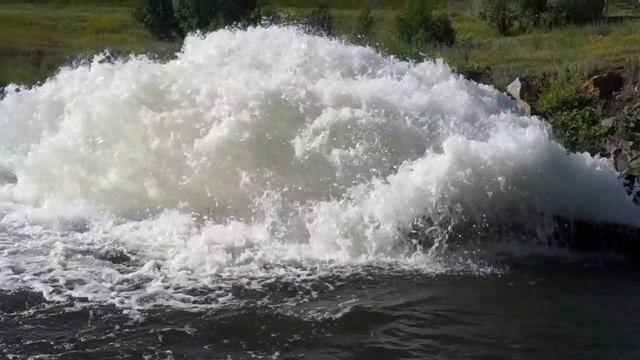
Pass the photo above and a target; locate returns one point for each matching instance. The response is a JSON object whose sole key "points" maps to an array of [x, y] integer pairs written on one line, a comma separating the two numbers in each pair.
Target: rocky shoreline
{"points": [[613, 98]]}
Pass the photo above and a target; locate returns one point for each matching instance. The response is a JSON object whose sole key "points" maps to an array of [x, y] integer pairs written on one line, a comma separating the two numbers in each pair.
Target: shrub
{"points": [[363, 24], [503, 14], [170, 19], [559, 96], [213, 14], [579, 129], [500, 14], [158, 17], [578, 11], [532, 10], [320, 21], [197, 15], [419, 26]]}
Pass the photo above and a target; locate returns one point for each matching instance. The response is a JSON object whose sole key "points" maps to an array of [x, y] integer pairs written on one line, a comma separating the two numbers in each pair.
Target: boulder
{"points": [[520, 91], [609, 122], [620, 151], [626, 159], [625, 156]]}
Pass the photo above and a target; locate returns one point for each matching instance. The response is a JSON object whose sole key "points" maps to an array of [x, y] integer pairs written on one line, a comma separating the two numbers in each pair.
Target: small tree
{"points": [[159, 18], [198, 14], [364, 23], [320, 21], [419, 26], [170, 19], [213, 14], [500, 14], [532, 10], [579, 11]]}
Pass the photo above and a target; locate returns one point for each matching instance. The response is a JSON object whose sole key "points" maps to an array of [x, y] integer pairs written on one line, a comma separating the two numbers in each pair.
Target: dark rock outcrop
{"points": [[603, 86]]}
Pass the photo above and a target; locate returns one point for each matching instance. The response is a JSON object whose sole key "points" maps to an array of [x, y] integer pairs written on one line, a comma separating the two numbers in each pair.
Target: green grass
{"points": [[575, 49], [36, 38], [578, 50]]}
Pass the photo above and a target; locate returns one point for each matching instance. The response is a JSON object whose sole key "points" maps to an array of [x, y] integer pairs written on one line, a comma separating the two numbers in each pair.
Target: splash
{"points": [[261, 154]]}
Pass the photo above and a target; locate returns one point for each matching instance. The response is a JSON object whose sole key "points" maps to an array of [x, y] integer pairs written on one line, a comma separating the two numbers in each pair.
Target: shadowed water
{"points": [[539, 310]]}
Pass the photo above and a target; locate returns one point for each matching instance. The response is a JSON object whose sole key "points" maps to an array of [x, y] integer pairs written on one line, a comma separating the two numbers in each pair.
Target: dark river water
{"points": [[537, 309]]}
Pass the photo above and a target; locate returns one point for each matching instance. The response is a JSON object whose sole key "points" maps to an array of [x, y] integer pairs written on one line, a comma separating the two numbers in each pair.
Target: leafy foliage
{"points": [[170, 19], [420, 26], [320, 21], [504, 14], [578, 11], [532, 10], [158, 17], [560, 95], [579, 129], [363, 24], [500, 14]]}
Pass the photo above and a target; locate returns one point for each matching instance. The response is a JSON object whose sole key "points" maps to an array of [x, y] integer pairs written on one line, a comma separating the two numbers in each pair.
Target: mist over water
{"points": [[266, 155]]}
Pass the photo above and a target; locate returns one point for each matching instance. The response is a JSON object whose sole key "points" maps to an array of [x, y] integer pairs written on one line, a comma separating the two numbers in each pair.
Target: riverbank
{"points": [[36, 37]]}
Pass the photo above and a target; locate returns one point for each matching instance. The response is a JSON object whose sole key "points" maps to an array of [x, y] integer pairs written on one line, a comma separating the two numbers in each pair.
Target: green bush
{"points": [[170, 19], [532, 10], [505, 14], [363, 24], [205, 15], [320, 21], [578, 11], [158, 17], [579, 129], [500, 14], [420, 26]]}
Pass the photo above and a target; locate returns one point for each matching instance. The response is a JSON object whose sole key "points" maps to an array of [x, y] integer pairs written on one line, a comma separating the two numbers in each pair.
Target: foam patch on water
{"points": [[265, 154]]}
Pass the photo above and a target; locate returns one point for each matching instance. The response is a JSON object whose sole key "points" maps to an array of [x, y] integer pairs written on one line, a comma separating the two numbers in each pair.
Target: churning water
{"points": [[270, 169]]}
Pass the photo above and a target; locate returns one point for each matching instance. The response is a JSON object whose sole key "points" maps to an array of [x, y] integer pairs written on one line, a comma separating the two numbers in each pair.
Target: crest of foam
{"points": [[265, 149]]}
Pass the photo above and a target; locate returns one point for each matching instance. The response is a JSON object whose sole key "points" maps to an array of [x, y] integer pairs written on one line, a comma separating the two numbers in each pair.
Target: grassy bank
{"points": [[37, 37], [575, 49]]}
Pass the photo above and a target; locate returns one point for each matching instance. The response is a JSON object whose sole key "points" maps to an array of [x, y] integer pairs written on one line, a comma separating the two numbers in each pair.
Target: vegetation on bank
{"points": [[36, 38], [555, 44]]}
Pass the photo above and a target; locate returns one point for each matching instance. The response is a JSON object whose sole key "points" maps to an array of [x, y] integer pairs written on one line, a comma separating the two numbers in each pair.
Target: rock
{"points": [[626, 160], [609, 123], [603, 86], [625, 157], [521, 91], [620, 152]]}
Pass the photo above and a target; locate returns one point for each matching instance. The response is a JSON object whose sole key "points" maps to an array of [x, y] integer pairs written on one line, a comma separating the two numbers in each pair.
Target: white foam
{"points": [[264, 153]]}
